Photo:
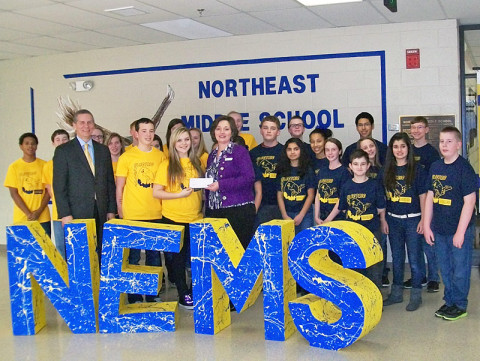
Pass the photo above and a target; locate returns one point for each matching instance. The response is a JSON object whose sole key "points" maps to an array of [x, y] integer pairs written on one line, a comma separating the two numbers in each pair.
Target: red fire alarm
{"points": [[413, 58]]}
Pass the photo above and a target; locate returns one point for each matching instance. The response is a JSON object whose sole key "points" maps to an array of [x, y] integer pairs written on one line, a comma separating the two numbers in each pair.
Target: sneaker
{"points": [[385, 281], [134, 298], [432, 287], [186, 302], [454, 313], [441, 311], [408, 283]]}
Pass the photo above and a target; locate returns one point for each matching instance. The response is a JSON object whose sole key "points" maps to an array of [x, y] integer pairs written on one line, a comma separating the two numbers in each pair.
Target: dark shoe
{"points": [[186, 302], [134, 298], [395, 296], [415, 299], [441, 311], [156, 298], [385, 281], [454, 313], [408, 283], [432, 287]]}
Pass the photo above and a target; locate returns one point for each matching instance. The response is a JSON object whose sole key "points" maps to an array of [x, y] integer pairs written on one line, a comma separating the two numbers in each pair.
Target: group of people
{"points": [[424, 203]]}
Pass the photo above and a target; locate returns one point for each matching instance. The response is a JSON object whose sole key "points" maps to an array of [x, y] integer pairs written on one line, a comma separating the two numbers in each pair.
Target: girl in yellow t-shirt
{"points": [[180, 203]]}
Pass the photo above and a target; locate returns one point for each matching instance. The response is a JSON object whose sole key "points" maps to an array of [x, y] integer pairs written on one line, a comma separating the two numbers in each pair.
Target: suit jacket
{"points": [[76, 187]]}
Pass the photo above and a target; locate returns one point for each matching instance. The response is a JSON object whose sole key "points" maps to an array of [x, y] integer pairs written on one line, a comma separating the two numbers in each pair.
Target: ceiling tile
{"points": [[189, 9], [33, 26], [263, 5], [24, 49], [98, 39], [238, 24], [362, 13], [413, 10], [69, 15], [57, 44], [22, 4], [292, 19], [141, 34]]}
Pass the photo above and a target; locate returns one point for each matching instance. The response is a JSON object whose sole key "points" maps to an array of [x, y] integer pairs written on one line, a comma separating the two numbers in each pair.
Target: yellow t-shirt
{"points": [[128, 147], [203, 160], [182, 210], [47, 178], [139, 168], [165, 150], [249, 139], [27, 178], [114, 166]]}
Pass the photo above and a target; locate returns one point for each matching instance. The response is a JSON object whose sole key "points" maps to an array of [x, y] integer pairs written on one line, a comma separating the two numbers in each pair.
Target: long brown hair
{"points": [[175, 172], [391, 163], [202, 148]]}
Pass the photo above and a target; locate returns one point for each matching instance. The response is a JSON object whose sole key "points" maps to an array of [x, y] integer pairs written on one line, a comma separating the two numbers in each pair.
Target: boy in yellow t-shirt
{"points": [[24, 181], [136, 172], [60, 136]]}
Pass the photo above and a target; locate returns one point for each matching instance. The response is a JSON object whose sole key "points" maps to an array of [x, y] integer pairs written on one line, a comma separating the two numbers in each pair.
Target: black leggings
{"points": [[241, 218]]}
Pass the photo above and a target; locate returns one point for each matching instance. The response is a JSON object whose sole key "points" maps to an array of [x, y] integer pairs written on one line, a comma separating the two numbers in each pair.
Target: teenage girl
{"points": [[199, 147], [180, 203], [175, 123], [115, 145], [329, 181], [296, 185], [405, 185], [370, 147], [318, 138]]}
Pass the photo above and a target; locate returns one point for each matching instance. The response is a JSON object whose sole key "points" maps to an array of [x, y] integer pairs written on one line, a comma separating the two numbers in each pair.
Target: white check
{"points": [[200, 182]]}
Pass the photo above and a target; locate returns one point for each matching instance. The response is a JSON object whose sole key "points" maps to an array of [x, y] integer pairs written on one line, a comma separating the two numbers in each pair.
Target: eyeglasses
{"points": [[295, 125], [96, 137], [417, 127]]}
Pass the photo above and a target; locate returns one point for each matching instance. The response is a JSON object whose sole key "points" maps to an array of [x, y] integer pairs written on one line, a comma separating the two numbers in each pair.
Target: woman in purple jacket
{"points": [[231, 194]]}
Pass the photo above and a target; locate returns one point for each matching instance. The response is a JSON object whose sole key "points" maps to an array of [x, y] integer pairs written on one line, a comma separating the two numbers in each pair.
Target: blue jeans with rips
{"points": [[403, 231], [455, 266]]}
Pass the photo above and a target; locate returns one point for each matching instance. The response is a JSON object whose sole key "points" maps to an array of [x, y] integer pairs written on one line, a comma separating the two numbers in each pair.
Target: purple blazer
{"points": [[235, 177]]}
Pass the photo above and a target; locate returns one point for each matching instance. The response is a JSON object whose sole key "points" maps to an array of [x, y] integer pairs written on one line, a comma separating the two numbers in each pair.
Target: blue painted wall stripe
{"points": [[380, 54]]}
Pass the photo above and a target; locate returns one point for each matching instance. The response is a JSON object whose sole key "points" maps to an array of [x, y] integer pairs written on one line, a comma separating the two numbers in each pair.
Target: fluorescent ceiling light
{"points": [[325, 2], [125, 11], [187, 28]]}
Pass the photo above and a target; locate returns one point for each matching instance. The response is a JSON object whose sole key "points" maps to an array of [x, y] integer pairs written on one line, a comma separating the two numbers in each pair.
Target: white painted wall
{"points": [[350, 85]]}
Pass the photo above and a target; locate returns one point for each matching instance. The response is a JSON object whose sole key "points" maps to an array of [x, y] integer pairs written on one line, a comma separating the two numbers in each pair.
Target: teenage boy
{"points": [[296, 128], [425, 155], [24, 181], [264, 159], [249, 139], [134, 137], [136, 172], [365, 124], [449, 222], [59, 136], [363, 201]]}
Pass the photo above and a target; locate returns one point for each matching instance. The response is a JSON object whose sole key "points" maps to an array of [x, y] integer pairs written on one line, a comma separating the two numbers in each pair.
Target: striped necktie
{"points": [[89, 158]]}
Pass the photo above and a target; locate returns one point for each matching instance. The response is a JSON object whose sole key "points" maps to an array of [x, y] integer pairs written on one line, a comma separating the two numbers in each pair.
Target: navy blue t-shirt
{"points": [[329, 184], [449, 184], [426, 155], [361, 202], [295, 188], [405, 200], [382, 152], [318, 164], [264, 160]]}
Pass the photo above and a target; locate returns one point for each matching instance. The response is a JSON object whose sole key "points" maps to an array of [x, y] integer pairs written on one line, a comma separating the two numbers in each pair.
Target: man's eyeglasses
{"points": [[295, 125]]}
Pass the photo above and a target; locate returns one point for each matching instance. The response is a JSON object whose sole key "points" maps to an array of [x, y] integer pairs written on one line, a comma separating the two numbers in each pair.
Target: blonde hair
{"points": [[175, 172], [202, 148]]}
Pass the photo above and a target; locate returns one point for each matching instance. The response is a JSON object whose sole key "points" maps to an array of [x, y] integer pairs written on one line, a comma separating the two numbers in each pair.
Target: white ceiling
{"points": [[42, 27]]}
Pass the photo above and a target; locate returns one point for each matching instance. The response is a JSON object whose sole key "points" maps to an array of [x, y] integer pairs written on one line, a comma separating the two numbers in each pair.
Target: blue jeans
{"points": [[455, 266], [59, 236], [307, 221], [430, 270], [383, 243], [266, 213], [403, 231]]}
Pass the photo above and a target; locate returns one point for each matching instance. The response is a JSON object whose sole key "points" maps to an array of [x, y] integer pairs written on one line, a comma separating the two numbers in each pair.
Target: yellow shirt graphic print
{"points": [[268, 166], [439, 190], [326, 191], [358, 208], [291, 190]]}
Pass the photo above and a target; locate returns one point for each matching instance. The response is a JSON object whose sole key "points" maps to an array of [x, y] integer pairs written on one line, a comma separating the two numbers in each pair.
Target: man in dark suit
{"points": [[83, 177]]}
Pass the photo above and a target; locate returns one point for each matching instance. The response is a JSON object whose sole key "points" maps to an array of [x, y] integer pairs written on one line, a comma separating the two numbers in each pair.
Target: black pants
{"points": [[241, 218], [176, 261]]}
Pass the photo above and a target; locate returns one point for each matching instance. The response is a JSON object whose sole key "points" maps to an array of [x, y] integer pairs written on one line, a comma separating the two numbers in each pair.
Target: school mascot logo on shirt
{"points": [[359, 207], [268, 166], [439, 190], [144, 176], [291, 190], [326, 192]]}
